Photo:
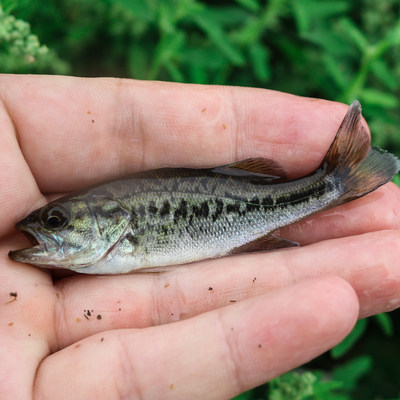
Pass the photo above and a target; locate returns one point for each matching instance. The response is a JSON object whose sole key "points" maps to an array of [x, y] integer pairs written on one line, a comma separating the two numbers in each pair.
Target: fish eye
{"points": [[54, 217]]}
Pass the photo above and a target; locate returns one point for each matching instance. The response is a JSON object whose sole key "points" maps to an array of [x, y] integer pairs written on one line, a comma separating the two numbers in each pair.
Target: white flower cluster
{"points": [[16, 38], [21, 51]]}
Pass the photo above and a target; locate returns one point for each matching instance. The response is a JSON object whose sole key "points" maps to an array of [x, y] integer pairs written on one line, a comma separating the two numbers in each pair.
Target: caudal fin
{"points": [[360, 167]]}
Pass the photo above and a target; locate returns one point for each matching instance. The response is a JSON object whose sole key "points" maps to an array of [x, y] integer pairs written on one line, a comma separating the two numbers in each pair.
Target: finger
{"points": [[142, 300], [26, 318], [99, 128], [19, 193], [216, 355]]}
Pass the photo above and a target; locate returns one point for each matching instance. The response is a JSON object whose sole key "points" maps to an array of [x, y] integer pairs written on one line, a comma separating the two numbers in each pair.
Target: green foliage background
{"points": [[332, 49]]}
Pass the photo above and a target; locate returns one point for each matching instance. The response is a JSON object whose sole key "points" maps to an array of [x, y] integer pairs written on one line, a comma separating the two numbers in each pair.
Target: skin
{"points": [[239, 321]]}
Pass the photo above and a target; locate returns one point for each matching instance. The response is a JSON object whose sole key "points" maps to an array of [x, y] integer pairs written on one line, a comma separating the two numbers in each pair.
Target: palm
{"points": [[60, 134]]}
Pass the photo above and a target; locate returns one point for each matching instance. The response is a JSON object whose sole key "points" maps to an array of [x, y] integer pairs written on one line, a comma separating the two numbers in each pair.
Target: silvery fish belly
{"points": [[172, 216]]}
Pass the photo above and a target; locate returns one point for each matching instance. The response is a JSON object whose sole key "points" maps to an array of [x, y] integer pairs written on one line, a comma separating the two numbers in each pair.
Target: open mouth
{"points": [[30, 235], [31, 238], [30, 254]]}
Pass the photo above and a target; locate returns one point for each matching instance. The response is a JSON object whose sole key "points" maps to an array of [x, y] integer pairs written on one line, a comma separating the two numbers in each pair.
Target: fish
{"points": [[155, 219]]}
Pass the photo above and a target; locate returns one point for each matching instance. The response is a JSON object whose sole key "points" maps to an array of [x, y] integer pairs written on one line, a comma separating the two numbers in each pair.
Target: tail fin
{"points": [[360, 168]]}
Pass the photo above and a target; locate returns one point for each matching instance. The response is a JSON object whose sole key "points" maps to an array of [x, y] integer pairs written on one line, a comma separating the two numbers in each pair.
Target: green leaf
{"points": [[168, 48], [175, 72], [396, 180], [229, 16], [330, 43], [166, 18], [382, 71], [197, 73], [251, 5], [302, 15], [141, 8], [186, 8], [351, 372], [138, 61], [384, 321], [220, 39], [350, 30], [347, 343], [374, 97], [208, 57], [259, 58], [8, 5], [333, 396], [244, 396], [393, 36], [308, 13], [335, 71], [323, 387]]}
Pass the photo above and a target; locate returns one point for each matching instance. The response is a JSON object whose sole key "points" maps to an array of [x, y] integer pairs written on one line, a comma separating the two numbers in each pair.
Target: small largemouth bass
{"points": [[173, 216]]}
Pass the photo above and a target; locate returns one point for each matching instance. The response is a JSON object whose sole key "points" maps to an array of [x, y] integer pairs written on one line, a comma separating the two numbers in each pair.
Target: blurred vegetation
{"points": [[332, 49]]}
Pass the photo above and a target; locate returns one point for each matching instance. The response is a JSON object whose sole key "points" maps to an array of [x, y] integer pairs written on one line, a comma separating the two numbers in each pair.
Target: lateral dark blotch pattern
{"points": [[152, 208], [253, 205], [218, 210], [282, 202], [315, 191], [202, 210], [233, 208], [267, 202], [165, 209], [181, 211], [142, 211], [300, 197], [329, 187]]}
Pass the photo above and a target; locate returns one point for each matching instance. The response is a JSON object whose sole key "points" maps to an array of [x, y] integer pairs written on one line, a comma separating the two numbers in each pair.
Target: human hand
{"points": [[112, 337]]}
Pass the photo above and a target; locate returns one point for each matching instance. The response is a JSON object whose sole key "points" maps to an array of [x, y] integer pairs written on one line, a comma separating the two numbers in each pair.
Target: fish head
{"points": [[72, 233]]}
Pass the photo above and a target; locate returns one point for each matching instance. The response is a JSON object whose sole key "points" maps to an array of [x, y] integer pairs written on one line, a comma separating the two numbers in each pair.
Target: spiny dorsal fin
{"points": [[351, 144], [265, 243], [263, 168]]}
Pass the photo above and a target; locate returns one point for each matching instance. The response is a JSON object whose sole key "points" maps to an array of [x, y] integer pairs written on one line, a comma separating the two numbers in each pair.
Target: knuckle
{"points": [[127, 381]]}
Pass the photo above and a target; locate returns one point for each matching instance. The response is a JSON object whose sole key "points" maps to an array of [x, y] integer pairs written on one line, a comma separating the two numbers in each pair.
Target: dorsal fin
{"points": [[351, 143], [262, 168]]}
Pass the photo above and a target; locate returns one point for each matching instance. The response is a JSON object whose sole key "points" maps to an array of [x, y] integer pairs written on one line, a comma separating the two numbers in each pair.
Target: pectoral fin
{"points": [[265, 243]]}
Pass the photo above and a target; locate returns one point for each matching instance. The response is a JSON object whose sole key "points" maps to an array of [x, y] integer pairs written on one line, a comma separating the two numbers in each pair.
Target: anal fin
{"points": [[265, 243]]}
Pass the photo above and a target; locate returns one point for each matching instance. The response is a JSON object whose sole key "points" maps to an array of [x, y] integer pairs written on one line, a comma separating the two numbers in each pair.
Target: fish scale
{"points": [[165, 239]]}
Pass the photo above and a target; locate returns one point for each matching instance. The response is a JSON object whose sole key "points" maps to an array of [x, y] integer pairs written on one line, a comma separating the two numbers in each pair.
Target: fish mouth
{"points": [[31, 237], [33, 255], [36, 239]]}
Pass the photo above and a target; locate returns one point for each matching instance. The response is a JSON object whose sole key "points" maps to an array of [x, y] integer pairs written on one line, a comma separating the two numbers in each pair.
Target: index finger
{"points": [[75, 131]]}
